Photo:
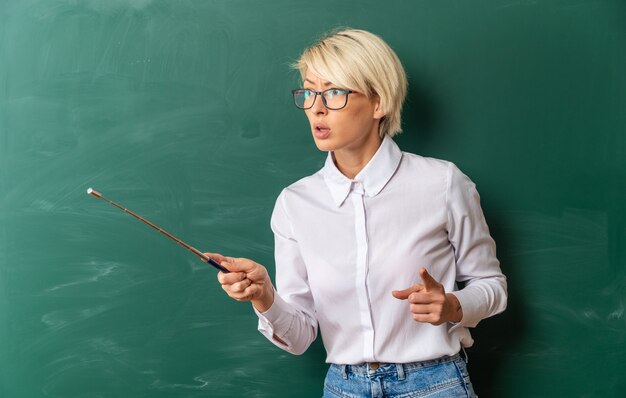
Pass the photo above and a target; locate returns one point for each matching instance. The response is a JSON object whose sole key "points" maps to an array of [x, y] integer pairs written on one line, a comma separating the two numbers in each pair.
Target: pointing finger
{"points": [[429, 282]]}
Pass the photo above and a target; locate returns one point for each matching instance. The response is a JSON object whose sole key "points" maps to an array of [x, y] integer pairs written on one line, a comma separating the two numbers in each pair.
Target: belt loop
{"points": [[400, 370], [344, 371], [465, 356]]}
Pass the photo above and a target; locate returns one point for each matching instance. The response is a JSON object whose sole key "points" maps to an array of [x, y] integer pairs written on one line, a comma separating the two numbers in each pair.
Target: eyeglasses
{"points": [[333, 98]]}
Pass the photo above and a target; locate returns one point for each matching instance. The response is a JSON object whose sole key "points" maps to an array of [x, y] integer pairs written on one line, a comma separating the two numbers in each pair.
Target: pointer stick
{"points": [[195, 251]]}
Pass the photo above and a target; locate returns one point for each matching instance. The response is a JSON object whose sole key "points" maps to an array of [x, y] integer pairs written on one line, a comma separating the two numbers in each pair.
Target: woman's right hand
{"points": [[246, 281]]}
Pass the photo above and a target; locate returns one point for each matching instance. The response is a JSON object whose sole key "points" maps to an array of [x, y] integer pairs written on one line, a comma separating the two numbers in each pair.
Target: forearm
{"points": [[288, 327], [266, 299], [481, 299]]}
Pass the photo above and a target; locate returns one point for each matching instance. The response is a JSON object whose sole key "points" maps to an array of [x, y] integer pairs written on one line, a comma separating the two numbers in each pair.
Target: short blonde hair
{"points": [[360, 61]]}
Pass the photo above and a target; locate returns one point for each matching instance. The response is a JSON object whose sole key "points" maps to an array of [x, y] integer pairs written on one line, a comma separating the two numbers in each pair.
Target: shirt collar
{"points": [[374, 176]]}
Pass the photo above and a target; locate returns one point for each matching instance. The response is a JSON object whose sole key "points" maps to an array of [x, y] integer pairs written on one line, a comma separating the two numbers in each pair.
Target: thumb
{"points": [[404, 294], [214, 256], [237, 264], [429, 282]]}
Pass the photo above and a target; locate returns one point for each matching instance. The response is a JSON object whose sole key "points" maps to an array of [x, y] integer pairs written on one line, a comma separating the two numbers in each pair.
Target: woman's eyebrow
{"points": [[325, 84]]}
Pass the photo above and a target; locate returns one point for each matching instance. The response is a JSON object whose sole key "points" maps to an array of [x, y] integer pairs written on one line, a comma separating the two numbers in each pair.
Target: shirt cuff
{"points": [[470, 305], [277, 320]]}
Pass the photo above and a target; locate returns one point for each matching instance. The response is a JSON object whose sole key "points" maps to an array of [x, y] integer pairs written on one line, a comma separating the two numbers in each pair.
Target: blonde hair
{"points": [[358, 60]]}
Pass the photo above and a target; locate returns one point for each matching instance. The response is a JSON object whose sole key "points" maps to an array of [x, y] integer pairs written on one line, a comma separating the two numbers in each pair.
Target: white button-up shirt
{"points": [[342, 246]]}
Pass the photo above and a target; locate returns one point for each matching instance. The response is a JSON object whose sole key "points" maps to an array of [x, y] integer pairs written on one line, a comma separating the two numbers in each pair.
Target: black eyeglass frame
{"points": [[321, 93]]}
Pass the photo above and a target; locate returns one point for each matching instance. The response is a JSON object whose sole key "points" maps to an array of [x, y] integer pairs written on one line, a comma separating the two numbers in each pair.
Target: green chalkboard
{"points": [[181, 111]]}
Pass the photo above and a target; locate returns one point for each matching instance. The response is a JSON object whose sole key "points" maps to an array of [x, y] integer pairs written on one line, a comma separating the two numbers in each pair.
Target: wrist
{"points": [[455, 309], [266, 298]]}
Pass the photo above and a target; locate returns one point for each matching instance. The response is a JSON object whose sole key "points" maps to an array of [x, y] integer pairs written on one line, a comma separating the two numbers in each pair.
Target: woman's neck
{"points": [[350, 161]]}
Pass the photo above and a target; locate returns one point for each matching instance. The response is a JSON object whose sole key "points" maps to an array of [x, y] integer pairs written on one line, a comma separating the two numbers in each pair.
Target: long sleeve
{"points": [[291, 316], [343, 245], [485, 291]]}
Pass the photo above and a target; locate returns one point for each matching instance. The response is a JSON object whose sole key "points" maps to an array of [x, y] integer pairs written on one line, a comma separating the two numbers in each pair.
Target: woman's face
{"points": [[352, 129]]}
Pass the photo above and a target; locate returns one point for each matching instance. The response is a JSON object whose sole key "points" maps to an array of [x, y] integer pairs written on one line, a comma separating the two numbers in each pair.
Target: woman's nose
{"points": [[318, 106]]}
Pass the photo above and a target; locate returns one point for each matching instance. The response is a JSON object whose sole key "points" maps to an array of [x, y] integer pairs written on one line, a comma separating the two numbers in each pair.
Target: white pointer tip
{"points": [[93, 192]]}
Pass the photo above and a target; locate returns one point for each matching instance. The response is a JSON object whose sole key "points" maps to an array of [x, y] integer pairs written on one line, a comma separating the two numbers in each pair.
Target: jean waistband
{"points": [[370, 367]]}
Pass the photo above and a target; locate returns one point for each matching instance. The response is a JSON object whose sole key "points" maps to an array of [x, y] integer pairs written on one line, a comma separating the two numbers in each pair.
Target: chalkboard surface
{"points": [[181, 111]]}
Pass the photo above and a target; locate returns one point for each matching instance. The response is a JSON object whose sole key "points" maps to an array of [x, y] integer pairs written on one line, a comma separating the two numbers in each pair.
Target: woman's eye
{"points": [[334, 92]]}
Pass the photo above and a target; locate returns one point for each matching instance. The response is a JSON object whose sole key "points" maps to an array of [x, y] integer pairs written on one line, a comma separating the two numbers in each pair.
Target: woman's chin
{"points": [[324, 145]]}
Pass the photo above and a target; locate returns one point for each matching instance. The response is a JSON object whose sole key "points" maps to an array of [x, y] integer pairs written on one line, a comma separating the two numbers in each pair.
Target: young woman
{"points": [[371, 247]]}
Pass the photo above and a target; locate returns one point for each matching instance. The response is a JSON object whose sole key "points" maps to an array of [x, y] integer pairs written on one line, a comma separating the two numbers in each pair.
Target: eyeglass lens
{"points": [[333, 98]]}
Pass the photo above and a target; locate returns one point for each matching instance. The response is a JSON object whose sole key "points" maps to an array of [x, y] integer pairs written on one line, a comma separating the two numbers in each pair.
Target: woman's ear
{"points": [[379, 112]]}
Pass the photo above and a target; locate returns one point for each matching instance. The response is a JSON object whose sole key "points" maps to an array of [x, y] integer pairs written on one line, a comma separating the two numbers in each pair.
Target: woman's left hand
{"points": [[429, 302]]}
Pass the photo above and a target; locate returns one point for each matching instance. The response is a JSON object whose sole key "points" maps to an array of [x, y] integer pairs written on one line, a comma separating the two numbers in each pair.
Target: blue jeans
{"points": [[445, 377]]}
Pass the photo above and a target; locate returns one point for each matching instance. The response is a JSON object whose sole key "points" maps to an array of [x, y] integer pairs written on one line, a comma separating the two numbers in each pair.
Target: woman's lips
{"points": [[321, 131]]}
